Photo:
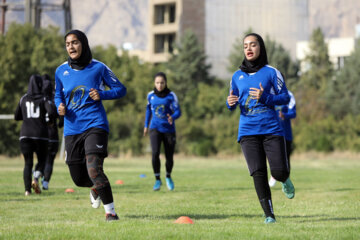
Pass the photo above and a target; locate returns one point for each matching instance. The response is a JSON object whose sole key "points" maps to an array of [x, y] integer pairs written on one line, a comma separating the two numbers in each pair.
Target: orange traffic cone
{"points": [[184, 220], [69, 190]]}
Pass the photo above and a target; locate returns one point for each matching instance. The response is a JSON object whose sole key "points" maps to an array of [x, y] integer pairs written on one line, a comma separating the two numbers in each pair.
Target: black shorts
{"points": [[259, 147], [92, 141], [29, 145]]}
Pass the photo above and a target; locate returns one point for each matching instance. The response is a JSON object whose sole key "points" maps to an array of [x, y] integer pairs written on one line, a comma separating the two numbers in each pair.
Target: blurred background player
{"points": [[257, 88], [80, 89], [53, 145], [162, 109], [32, 109], [285, 114]]}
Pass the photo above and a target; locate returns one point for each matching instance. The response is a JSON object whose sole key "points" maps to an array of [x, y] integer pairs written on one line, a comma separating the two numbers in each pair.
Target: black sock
{"points": [[168, 175], [105, 194], [266, 205], [157, 176], [263, 192]]}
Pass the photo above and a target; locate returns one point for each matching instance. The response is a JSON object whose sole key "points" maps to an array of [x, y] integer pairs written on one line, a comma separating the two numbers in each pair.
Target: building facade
{"points": [[218, 23]]}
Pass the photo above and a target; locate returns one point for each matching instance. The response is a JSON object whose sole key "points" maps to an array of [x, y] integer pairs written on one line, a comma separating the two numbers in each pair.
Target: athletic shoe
{"points": [[36, 187], [111, 217], [269, 220], [170, 184], [45, 185], [27, 193], [272, 182], [94, 198], [288, 189], [157, 185]]}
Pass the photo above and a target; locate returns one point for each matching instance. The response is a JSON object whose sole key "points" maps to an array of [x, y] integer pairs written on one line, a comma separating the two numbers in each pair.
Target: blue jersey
{"points": [[72, 89], [157, 109], [289, 112], [258, 117]]}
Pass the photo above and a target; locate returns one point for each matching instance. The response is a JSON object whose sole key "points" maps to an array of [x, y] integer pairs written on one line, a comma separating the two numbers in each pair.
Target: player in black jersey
{"points": [[32, 109], [53, 143]]}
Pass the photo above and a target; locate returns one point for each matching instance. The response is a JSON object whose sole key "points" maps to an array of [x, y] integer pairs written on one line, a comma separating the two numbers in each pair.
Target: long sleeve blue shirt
{"points": [[289, 112], [157, 109], [258, 117], [72, 89]]}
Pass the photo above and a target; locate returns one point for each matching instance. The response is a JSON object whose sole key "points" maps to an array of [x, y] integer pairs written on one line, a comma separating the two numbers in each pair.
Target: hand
{"points": [[145, 131], [94, 94], [256, 93], [170, 119], [61, 109], [232, 99], [281, 115]]}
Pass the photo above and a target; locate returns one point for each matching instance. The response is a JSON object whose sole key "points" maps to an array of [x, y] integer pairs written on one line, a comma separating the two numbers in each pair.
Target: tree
{"points": [[315, 79], [344, 92], [24, 51], [187, 65]]}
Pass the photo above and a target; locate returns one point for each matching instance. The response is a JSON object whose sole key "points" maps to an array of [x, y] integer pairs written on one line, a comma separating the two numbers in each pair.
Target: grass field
{"points": [[216, 193]]}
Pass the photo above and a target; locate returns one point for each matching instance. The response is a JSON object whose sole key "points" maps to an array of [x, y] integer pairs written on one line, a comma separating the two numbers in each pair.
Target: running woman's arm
{"points": [[59, 94], [291, 113], [148, 112], [18, 114], [278, 94], [117, 89], [233, 99], [175, 107]]}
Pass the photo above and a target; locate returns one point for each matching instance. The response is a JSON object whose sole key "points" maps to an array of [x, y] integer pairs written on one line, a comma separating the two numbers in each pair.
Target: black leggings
{"points": [[28, 147], [91, 173], [53, 149], [169, 140]]}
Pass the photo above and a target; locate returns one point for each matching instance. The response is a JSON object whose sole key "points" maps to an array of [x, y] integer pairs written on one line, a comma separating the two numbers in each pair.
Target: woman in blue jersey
{"points": [[80, 89], [162, 109], [257, 88]]}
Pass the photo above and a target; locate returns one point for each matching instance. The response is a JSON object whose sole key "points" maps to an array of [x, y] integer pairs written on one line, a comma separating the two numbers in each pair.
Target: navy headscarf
{"points": [[86, 56], [35, 86], [254, 66]]}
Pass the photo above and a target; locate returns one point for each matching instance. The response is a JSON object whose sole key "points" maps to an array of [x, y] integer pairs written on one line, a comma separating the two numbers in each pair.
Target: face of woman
{"points": [[251, 48], [73, 46], [160, 83]]}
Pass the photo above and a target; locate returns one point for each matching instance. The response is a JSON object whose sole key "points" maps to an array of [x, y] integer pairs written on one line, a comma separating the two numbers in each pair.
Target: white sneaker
{"points": [[94, 198], [272, 182]]}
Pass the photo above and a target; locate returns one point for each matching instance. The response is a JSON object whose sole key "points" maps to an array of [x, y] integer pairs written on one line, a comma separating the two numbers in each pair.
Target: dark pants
{"points": [[85, 158], [52, 151], [28, 147], [256, 149], [169, 140]]}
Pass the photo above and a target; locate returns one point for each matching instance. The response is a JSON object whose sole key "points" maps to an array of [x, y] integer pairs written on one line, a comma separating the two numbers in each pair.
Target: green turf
{"points": [[216, 193]]}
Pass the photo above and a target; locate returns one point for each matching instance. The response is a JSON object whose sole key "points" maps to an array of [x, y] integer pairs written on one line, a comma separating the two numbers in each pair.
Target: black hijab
{"points": [[165, 91], [254, 66], [86, 55], [47, 89], [35, 86]]}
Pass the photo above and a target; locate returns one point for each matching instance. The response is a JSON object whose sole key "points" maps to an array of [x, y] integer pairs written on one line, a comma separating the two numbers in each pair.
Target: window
{"points": [[164, 14], [164, 43]]}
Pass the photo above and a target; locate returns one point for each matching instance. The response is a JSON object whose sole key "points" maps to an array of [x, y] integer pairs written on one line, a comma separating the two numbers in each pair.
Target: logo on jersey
{"points": [[241, 77], [160, 111], [66, 73], [77, 100]]}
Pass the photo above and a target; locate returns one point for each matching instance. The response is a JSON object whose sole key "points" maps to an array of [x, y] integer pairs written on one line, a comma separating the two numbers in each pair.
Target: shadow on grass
{"points": [[333, 219], [194, 216], [226, 216]]}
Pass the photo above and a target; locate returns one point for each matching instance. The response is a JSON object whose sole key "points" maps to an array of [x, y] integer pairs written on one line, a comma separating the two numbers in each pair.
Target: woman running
{"points": [[80, 89], [257, 88], [162, 109]]}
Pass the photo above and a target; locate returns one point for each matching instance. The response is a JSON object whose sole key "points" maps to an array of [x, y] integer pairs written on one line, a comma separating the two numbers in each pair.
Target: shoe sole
{"points": [[36, 187]]}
